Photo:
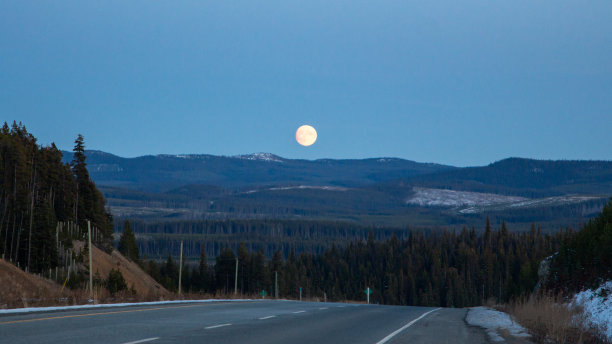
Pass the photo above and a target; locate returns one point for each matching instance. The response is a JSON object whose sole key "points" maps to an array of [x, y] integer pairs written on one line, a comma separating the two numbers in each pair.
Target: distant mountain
{"points": [[160, 173], [525, 177], [382, 191]]}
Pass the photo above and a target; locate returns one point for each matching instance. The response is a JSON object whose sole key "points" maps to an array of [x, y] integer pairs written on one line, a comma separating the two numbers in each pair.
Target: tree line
{"points": [[584, 260], [36, 191], [445, 268]]}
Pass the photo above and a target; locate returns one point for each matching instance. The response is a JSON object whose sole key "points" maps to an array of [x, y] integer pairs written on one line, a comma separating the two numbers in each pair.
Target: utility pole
{"points": [[236, 279], [180, 270], [90, 262], [276, 284]]}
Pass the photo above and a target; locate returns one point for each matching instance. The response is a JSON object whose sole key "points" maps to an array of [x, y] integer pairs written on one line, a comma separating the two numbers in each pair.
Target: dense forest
{"points": [[450, 269], [37, 191], [158, 239], [584, 260]]}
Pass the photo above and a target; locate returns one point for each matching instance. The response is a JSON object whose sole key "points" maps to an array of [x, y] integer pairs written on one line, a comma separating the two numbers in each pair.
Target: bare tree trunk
{"points": [[31, 217], [76, 205], [2, 223], [19, 237], [13, 233]]}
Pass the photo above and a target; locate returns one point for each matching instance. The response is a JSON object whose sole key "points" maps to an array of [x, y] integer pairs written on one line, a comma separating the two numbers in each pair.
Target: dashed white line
{"points": [[386, 339], [299, 312], [216, 326], [268, 317], [323, 308], [143, 340]]}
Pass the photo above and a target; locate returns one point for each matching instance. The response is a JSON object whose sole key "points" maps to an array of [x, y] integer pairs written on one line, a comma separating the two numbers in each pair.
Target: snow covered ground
{"points": [[467, 202], [300, 187], [108, 305], [452, 198], [597, 306], [492, 321], [260, 157]]}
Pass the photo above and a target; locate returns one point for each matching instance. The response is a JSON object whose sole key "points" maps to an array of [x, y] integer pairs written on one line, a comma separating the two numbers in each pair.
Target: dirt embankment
{"points": [[146, 287], [21, 289]]}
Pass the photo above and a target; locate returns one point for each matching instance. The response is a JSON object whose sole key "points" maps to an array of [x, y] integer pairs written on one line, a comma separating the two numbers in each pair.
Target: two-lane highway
{"points": [[243, 322]]}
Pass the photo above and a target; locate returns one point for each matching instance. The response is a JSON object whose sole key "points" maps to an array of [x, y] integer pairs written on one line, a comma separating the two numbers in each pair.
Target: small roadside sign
{"points": [[368, 291], [263, 293]]}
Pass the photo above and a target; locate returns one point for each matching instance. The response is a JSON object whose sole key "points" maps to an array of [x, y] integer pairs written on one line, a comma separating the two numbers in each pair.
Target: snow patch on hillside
{"points": [[597, 305], [492, 321], [553, 201], [300, 187], [452, 198], [260, 157]]}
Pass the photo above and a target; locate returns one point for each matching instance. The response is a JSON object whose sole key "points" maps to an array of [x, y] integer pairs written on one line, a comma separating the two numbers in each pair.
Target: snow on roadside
{"points": [[597, 306], [108, 305], [492, 320]]}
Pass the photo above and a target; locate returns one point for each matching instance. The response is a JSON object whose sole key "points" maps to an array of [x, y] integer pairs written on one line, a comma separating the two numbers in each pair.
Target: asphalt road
{"points": [[243, 322]]}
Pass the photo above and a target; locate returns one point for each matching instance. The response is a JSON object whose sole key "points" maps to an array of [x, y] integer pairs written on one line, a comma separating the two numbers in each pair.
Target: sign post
{"points": [[263, 294], [368, 291]]}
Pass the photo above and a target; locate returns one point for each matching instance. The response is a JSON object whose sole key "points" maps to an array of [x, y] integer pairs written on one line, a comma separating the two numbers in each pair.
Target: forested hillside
{"points": [[526, 177], [584, 260], [450, 269], [159, 173], [36, 192]]}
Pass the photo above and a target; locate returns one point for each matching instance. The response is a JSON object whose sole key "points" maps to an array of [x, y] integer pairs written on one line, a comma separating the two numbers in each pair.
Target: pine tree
{"points": [[127, 243], [115, 281]]}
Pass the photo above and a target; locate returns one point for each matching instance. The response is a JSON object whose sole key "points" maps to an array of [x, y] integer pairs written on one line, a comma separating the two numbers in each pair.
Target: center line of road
{"points": [[386, 339], [298, 312], [215, 326], [143, 340], [268, 317]]}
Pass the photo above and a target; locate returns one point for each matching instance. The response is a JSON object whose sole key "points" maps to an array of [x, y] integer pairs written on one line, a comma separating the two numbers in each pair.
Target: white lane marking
{"points": [[386, 339], [268, 317], [323, 308], [299, 312], [215, 326], [143, 340], [340, 306]]}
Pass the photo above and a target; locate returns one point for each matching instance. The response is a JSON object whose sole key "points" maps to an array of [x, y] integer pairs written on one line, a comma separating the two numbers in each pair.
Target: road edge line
{"points": [[394, 333], [143, 340]]}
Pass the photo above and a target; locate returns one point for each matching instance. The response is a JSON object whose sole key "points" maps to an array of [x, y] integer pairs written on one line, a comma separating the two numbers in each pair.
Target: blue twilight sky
{"points": [[454, 82]]}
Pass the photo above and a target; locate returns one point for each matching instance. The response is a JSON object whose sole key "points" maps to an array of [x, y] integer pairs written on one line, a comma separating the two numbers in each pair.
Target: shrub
{"points": [[115, 281]]}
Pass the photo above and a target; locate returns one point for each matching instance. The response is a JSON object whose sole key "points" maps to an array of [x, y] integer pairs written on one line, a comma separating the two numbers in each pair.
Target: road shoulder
{"points": [[443, 326]]}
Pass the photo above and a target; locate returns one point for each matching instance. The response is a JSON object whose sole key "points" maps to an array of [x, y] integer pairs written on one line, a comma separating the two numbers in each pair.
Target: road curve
{"points": [[243, 322]]}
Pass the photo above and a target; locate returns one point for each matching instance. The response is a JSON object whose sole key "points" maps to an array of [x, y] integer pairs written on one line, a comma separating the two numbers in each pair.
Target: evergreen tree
{"points": [[115, 281], [127, 243]]}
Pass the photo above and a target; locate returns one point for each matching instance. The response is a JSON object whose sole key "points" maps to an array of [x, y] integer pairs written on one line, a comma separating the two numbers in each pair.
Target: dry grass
{"points": [[145, 286], [551, 320], [20, 289]]}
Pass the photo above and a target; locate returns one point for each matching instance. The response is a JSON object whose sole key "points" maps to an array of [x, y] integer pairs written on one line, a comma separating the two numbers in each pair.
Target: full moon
{"points": [[306, 135]]}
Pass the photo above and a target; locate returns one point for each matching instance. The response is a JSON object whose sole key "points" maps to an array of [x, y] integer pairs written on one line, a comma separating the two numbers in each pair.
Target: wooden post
{"points": [[90, 262], [180, 270], [236, 279]]}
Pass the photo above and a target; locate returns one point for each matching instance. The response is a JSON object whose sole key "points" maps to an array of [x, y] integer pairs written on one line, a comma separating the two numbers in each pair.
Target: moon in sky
{"points": [[306, 135]]}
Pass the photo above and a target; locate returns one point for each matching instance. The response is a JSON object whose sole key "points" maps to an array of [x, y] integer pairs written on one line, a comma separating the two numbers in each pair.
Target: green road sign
{"points": [[368, 291], [263, 293]]}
